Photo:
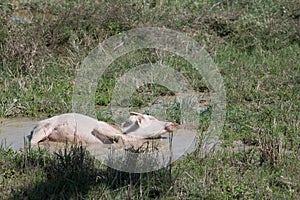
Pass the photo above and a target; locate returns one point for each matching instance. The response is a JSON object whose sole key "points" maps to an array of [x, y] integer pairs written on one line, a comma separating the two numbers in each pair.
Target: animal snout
{"points": [[169, 127]]}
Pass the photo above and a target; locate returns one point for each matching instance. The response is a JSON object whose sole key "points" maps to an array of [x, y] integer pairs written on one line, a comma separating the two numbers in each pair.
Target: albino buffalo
{"points": [[77, 128]]}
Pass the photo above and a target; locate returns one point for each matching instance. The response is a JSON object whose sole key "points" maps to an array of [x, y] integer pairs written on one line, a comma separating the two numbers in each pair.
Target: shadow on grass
{"points": [[72, 173]]}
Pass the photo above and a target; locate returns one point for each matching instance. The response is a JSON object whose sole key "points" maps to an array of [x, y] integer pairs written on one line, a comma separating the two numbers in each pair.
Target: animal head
{"points": [[145, 126]]}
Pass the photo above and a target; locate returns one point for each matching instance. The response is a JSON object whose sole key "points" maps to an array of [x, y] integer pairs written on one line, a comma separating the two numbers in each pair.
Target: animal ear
{"points": [[140, 119], [136, 113]]}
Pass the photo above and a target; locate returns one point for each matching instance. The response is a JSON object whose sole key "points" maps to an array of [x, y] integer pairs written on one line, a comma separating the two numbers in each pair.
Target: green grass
{"points": [[255, 45], [74, 173]]}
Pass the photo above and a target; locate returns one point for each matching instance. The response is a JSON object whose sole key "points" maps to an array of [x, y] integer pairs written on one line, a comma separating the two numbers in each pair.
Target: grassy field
{"points": [[255, 45]]}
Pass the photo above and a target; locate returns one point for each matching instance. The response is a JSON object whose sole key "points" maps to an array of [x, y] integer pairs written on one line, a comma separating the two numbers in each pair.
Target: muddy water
{"points": [[13, 132]]}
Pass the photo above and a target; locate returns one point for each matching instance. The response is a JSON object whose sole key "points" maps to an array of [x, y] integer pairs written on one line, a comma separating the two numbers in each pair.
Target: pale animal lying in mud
{"points": [[77, 128]]}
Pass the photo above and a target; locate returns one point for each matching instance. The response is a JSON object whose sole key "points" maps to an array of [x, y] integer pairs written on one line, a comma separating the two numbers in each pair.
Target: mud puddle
{"points": [[14, 132]]}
